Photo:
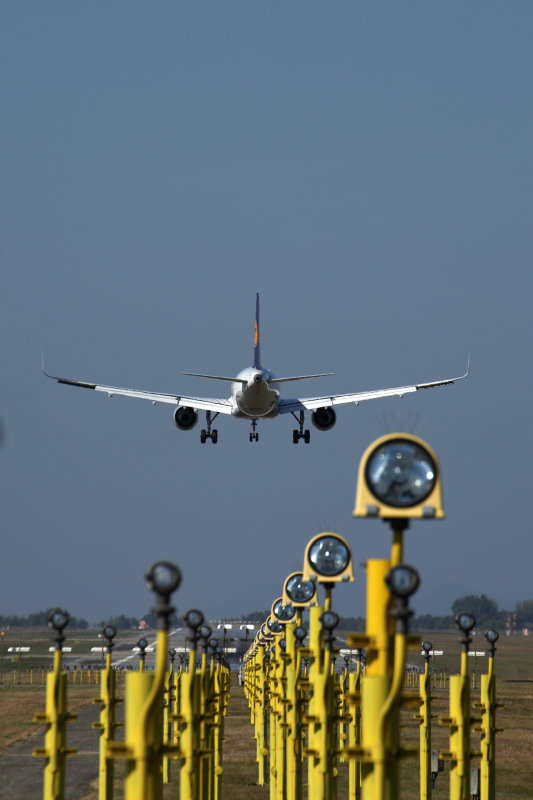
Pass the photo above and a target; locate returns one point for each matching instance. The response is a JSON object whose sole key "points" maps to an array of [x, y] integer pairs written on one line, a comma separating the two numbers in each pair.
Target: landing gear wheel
{"points": [[214, 436], [295, 436], [251, 437], [203, 436], [307, 436], [254, 437]]}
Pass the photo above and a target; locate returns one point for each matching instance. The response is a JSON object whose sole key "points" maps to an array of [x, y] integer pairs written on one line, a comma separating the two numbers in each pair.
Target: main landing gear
{"points": [[254, 436], [209, 434], [299, 433]]}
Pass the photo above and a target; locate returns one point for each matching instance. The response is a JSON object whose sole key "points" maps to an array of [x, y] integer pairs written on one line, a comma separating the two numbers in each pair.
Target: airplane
{"points": [[255, 395]]}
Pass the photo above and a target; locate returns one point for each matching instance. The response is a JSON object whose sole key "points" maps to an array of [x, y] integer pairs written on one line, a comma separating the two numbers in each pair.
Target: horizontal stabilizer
{"points": [[300, 377], [214, 377]]}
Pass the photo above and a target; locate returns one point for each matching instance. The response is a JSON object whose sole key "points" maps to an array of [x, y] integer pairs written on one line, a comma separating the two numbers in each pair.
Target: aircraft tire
{"points": [[295, 436], [214, 436], [307, 436], [203, 436]]}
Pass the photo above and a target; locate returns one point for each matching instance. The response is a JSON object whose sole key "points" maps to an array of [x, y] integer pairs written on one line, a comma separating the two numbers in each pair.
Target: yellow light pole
{"points": [[460, 718], [398, 480], [107, 725], [55, 748], [488, 728], [143, 745], [425, 725], [141, 646], [190, 714], [328, 560]]}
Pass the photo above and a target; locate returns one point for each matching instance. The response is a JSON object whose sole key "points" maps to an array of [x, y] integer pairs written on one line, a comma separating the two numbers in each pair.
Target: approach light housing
{"points": [[328, 559], [399, 477], [298, 592], [282, 612]]}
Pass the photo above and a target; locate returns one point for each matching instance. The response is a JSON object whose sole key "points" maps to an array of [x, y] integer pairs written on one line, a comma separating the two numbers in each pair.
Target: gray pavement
{"points": [[21, 774]]}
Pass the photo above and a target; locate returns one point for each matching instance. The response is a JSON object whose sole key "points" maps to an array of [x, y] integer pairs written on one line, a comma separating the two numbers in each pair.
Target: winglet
{"points": [[257, 352]]}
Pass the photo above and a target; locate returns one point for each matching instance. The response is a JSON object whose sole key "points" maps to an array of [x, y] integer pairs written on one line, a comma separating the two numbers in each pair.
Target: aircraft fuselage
{"points": [[253, 396]]}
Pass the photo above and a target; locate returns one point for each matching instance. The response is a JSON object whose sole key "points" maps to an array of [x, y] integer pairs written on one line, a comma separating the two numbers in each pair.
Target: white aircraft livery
{"points": [[255, 395]]}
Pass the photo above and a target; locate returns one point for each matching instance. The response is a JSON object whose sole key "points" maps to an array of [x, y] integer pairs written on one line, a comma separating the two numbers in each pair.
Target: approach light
{"points": [[427, 647], [492, 636], [399, 476], [402, 581], [274, 626], [328, 559], [283, 612], [298, 592], [142, 644], [193, 618], [163, 578], [300, 633], [465, 621], [58, 619], [205, 631], [329, 620], [110, 632]]}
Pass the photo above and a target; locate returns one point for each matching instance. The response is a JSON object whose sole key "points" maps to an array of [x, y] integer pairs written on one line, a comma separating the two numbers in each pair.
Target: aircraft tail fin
{"points": [[257, 351]]}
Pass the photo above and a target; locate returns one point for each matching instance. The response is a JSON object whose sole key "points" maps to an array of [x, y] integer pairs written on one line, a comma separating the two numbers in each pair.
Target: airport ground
{"points": [[18, 703]]}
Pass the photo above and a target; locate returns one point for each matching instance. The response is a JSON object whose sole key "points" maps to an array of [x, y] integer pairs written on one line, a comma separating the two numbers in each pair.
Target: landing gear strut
{"points": [[254, 435], [209, 434], [299, 433]]}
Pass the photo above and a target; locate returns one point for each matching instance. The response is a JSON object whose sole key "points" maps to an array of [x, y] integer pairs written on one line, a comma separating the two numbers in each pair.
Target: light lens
{"points": [[402, 580], [205, 631], [194, 618], [465, 621], [492, 636], [142, 644], [110, 631], [298, 590], [58, 619], [329, 556], [300, 633], [163, 577], [426, 647], [329, 620], [400, 473], [274, 626], [283, 612]]}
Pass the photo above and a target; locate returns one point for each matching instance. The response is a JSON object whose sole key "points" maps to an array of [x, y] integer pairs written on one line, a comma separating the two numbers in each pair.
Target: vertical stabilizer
{"points": [[257, 351]]}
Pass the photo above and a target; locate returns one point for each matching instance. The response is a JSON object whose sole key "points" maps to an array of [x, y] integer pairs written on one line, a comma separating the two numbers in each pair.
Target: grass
{"points": [[514, 674]]}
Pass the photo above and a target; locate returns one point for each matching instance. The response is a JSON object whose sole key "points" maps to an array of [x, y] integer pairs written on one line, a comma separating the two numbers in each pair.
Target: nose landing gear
{"points": [[254, 436], [299, 433], [209, 434]]}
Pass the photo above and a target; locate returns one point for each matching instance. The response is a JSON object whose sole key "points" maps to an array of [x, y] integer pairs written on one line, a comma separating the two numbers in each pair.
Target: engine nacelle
{"points": [[185, 418], [324, 418]]}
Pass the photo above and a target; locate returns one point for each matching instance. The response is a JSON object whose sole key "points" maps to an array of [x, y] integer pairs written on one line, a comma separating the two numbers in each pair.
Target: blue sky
{"points": [[368, 169]]}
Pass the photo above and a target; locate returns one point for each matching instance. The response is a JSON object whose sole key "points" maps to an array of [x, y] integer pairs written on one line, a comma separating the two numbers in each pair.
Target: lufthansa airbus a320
{"points": [[255, 395]]}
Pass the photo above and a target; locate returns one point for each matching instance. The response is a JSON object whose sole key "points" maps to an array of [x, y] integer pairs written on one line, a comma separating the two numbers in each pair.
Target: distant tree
{"points": [[427, 622], [524, 613], [484, 610], [121, 622], [38, 619], [256, 616]]}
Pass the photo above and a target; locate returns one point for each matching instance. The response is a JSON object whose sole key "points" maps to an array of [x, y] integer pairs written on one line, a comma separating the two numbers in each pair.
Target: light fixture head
{"points": [[58, 619], [163, 577], [329, 620], [427, 647], [328, 559], [281, 611], [300, 633], [142, 644], [109, 632], [193, 618], [465, 621], [205, 631], [399, 477], [402, 580], [492, 636], [297, 592]]}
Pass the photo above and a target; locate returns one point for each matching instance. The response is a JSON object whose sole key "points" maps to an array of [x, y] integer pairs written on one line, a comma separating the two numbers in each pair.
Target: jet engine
{"points": [[324, 418], [185, 418]]}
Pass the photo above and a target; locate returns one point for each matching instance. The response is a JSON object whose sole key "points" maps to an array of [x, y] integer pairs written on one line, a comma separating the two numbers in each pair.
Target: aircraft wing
{"points": [[220, 405], [310, 403]]}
